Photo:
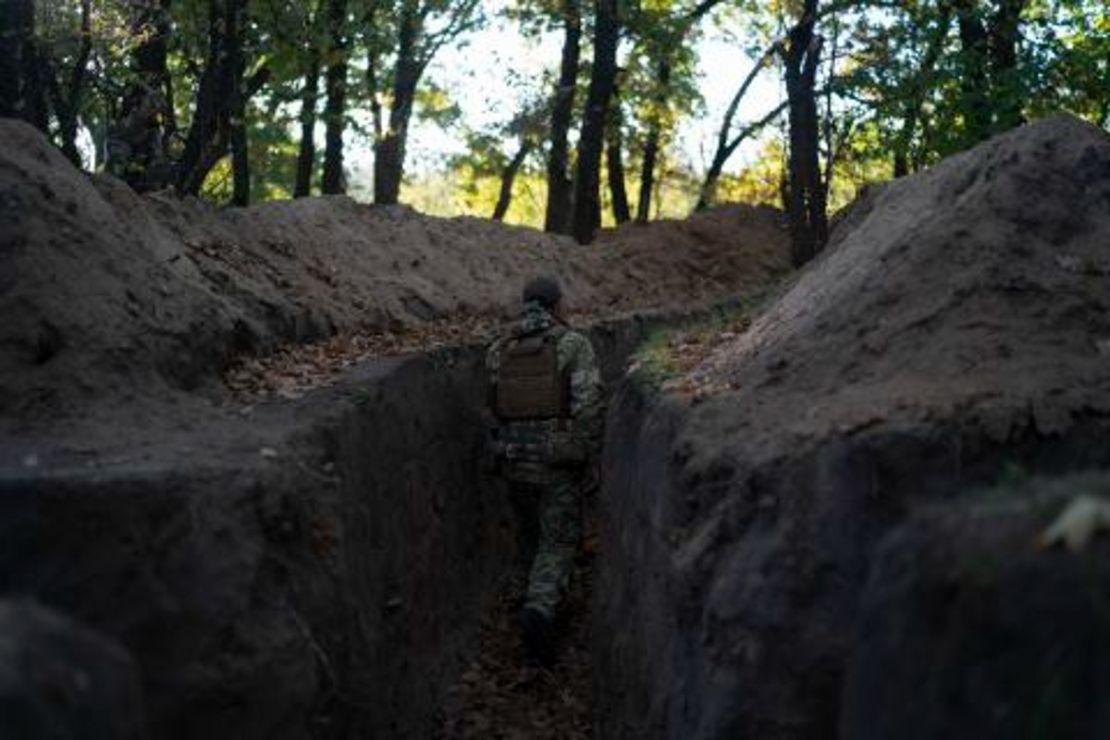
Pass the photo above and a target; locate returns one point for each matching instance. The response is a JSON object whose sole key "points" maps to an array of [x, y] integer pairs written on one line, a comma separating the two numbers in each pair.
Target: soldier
{"points": [[545, 393]]}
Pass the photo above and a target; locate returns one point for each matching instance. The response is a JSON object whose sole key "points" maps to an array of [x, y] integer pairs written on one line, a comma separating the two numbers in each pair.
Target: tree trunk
{"points": [[137, 142], [725, 149], [15, 32], [651, 146], [587, 180], [219, 115], [559, 186], [647, 174], [617, 191], [31, 105], [306, 156], [806, 206], [709, 184], [1007, 89], [974, 82], [236, 102], [335, 107], [202, 141], [66, 99], [615, 163], [725, 145], [508, 176], [375, 101], [389, 153]]}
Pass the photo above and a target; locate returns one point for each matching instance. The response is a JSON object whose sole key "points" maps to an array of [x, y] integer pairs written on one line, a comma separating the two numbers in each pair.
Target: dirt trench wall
{"points": [[965, 630], [729, 596], [953, 338], [318, 584], [314, 569]]}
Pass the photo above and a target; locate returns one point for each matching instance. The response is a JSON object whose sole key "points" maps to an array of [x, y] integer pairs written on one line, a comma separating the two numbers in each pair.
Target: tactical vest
{"points": [[529, 384]]}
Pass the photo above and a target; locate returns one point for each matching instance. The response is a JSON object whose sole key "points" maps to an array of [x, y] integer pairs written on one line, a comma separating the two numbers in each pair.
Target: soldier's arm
{"points": [[587, 409], [493, 364]]}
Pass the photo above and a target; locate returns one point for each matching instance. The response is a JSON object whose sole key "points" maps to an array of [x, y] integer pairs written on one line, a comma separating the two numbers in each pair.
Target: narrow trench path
{"points": [[497, 697]]}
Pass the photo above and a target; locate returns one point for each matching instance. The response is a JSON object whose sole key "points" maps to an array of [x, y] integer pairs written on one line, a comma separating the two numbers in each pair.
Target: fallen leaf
{"points": [[1077, 524]]}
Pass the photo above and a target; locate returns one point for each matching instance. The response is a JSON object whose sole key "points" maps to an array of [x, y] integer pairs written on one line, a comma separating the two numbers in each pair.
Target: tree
{"points": [[603, 72], [335, 106], [221, 98], [806, 203], [614, 162], [528, 128], [66, 94], [422, 28], [663, 35], [310, 92], [651, 148], [918, 87], [16, 29], [559, 184], [20, 63], [991, 95], [218, 124]]}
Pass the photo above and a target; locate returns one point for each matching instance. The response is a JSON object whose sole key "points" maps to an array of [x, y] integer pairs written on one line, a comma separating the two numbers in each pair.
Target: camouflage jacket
{"points": [[579, 436]]}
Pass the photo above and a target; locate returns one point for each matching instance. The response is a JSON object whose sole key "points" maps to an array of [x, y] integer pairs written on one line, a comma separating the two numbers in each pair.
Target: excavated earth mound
{"points": [[108, 294], [958, 329]]}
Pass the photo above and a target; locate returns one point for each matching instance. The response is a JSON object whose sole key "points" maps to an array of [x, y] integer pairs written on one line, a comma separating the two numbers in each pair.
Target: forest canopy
{"points": [[241, 101]]}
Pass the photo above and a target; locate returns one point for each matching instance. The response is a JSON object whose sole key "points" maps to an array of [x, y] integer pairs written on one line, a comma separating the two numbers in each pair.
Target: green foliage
{"points": [[896, 75], [913, 99], [669, 353], [760, 182], [654, 363]]}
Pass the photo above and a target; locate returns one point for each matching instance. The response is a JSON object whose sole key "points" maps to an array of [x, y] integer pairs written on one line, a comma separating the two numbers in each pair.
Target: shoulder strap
{"points": [[557, 332]]}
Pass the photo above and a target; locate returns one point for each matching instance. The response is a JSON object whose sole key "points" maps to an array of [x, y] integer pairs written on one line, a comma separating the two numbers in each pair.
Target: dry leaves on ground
{"points": [[295, 369], [498, 698]]}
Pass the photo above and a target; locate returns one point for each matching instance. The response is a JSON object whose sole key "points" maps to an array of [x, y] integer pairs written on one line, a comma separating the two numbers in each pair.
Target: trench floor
{"points": [[497, 697]]}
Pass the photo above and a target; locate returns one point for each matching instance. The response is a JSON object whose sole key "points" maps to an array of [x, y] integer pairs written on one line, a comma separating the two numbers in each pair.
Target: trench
{"points": [[335, 567], [324, 568]]}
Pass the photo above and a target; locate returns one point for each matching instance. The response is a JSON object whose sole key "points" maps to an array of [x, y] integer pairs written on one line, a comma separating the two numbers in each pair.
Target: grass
{"points": [[668, 355]]}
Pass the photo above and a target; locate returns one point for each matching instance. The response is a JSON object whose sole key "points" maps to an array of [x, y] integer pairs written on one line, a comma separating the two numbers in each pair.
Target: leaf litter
{"points": [[498, 698], [295, 369]]}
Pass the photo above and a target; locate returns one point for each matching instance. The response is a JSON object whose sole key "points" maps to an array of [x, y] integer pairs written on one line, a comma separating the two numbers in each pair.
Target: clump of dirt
{"points": [[107, 294]]}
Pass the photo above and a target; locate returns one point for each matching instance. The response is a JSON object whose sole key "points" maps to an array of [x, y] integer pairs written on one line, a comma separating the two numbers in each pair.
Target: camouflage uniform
{"points": [[546, 461]]}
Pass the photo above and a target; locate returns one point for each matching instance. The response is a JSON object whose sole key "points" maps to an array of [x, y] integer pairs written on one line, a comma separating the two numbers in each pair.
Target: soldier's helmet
{"points": [[544, 290]]}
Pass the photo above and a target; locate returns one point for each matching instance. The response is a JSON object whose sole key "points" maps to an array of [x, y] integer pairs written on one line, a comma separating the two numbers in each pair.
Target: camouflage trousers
{"points": [[549, 524]]}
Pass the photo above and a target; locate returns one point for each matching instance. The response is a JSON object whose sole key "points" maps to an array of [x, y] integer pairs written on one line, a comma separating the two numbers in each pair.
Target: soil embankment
{"points": [[954, 337], [114, 298]]}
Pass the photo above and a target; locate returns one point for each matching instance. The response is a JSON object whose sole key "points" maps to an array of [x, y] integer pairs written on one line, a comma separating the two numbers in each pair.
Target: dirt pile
{"points": [[963, 287], [956, 331], [105, 293]]}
